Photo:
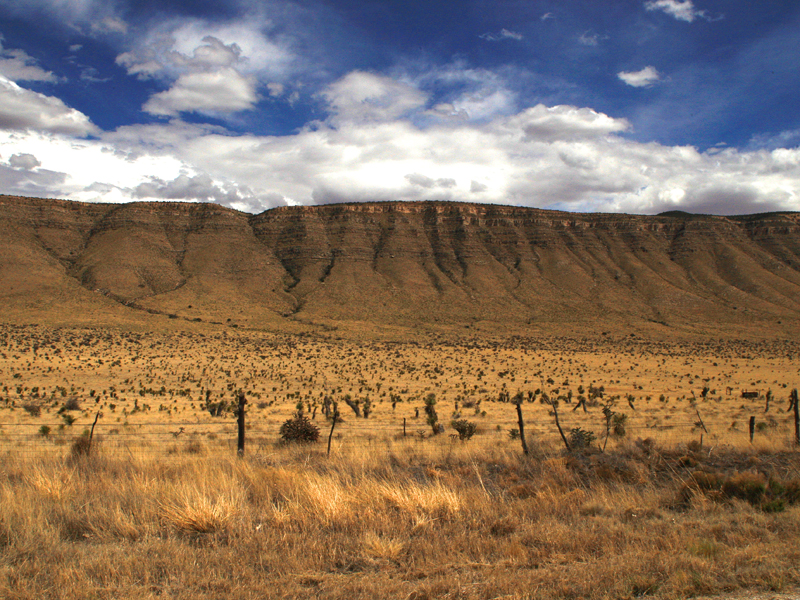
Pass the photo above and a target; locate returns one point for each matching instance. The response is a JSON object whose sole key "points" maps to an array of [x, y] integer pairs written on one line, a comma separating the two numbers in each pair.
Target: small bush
{"points": [[71, 404], [465, 429], [745, 486], [299, 429], [33, 410], [81, 446], [580, 438], [618, 424], [44, 431]]}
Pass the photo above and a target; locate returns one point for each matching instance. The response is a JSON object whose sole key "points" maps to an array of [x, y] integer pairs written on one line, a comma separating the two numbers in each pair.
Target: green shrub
{"points": [[580, 438], [299, 429], [465, 429]]}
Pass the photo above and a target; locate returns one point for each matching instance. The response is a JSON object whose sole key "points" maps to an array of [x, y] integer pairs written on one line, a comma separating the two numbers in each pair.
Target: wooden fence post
{"points": [[91, 434], [240, 423], [752, 428], [521, 422], [333, 425], [793, 405]]}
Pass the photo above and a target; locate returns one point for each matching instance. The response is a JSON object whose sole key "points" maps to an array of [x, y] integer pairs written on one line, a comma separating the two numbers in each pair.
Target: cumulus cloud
{"points": [[17, 65], [566, 123], [428, 182], [197, 188], [643, 78], [221, 91], [683, 10], [25, 162], [24, 109], [207, 74], [561, 157], [368, 97], [476, 187], [174, 48]]}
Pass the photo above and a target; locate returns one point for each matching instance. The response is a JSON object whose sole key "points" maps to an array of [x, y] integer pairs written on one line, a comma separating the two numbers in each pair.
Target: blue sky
{"points": [[628, 106]]}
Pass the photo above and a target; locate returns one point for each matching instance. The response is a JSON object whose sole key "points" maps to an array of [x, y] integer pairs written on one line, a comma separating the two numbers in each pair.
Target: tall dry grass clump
{"points": [[432, 521]]}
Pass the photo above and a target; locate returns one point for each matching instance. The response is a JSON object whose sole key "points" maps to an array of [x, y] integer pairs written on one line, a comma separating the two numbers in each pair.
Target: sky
{"points": [[634, 106]]}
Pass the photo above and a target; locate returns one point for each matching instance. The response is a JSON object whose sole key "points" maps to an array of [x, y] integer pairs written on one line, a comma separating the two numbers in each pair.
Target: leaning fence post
{"points": [[240, 423], [333, 425], [518, 401], [91, 433]]}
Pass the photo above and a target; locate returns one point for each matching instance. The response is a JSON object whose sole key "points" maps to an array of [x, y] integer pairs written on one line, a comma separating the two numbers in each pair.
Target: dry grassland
{"points": [[162, 508]]}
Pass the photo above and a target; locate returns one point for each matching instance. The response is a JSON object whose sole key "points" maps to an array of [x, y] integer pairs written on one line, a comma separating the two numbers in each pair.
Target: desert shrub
{"points": [[745, 486], [217, 409], [579, 438], [44, 431], [299, 429], [465, 429], [618, 424], [81, 445], [71, 404], [33, 410]]}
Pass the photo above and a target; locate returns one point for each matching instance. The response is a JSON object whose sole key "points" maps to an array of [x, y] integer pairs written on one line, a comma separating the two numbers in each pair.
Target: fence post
{"points": [[333, 425], [404, 427], [793, 405], [752, 428], [91, 433], [521, 422], [240, 423]]}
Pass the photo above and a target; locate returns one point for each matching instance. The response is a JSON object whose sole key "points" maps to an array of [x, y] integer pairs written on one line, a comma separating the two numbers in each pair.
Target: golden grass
{"points": [[462, 524], [163, 509]]}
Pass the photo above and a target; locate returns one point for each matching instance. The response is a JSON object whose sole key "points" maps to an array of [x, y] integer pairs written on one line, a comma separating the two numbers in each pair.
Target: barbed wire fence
{"points": [[220, 436]]}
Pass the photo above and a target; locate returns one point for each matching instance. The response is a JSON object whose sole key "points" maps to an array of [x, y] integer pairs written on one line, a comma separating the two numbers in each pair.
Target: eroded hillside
{"points": [[405, 263]]}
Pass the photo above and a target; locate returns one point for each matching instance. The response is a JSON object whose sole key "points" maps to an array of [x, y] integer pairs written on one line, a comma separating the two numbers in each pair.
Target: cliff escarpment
{"points": [[404, 264]]}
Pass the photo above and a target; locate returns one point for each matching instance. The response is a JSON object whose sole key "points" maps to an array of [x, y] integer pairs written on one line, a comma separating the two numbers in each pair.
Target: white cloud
{"points": [[643, 78], [174, 48], [683, 10], [208, 73], [221, 91], [17, 65], [367, 97], [477, 94], [562, 157], [504, 34], [197, 188], [589, 38], [563, 123], [23, 109], [110, 24]]}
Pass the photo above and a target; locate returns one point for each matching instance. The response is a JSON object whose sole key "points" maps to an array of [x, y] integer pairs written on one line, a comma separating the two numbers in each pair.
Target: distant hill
{"points": [[408, 264]]}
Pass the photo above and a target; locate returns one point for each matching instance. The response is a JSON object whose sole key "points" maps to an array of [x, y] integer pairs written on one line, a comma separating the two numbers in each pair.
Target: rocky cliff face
{"points": [[408, 262]]}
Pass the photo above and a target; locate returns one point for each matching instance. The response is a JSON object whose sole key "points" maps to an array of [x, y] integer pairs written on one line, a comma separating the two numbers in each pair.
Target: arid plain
{"points": [[660, 494]]}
